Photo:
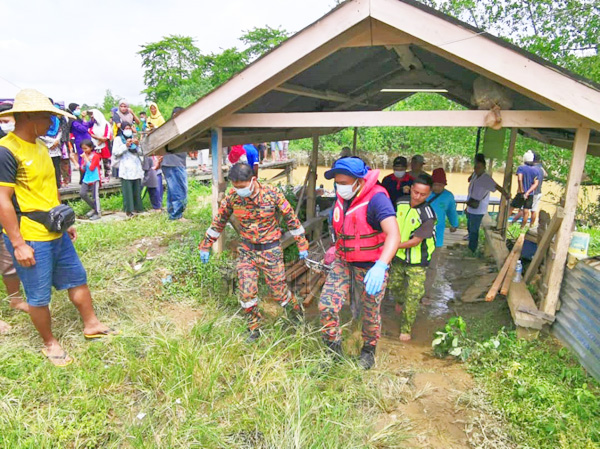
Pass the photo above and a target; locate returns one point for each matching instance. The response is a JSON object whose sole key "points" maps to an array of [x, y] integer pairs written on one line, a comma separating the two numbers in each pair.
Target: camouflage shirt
{"points": [[258, 217]]}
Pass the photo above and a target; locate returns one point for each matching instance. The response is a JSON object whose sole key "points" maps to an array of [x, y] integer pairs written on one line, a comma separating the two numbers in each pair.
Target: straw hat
{"points": [[30, 100]]}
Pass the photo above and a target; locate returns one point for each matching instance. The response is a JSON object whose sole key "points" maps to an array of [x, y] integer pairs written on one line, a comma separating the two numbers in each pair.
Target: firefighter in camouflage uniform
{"points": [[367, 238], [257, 209]]}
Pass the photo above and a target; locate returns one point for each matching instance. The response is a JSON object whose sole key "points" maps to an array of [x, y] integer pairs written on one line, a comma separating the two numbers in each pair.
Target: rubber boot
{"points": [[367, 357], [253, 335], [336, 349]]}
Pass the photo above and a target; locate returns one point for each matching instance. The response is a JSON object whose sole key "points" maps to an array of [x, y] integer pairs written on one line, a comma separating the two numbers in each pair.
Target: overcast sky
{"points": [[75, 50]]}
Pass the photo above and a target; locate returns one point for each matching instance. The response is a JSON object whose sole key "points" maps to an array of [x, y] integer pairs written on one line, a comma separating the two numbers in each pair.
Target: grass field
{"points": [[181, 375]]}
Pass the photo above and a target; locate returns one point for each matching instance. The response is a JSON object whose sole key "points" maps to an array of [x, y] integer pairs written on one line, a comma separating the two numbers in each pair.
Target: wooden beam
{"points": [[311, 189], [217, 177], [563, 238], [354, 141], [510, 119], [502, 222], [380, 34], [520, 298], [491, 59], [328, 95], [544, 244]]}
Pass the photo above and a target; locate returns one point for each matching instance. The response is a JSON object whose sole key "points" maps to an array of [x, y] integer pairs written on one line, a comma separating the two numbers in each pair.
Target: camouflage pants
{"points": [[407, 286], [250, 264], [337, 290]]}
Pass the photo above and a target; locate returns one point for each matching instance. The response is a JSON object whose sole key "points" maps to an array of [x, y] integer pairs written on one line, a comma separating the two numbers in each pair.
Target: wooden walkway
{"points": [[71, 191]]}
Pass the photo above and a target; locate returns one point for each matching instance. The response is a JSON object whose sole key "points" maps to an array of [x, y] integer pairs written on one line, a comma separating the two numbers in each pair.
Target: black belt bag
{"points": [[57, 219], [261, 246]]}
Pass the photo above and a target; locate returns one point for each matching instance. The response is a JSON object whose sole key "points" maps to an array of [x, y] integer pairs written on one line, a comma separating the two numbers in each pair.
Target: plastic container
{"points": [[518, 272]]}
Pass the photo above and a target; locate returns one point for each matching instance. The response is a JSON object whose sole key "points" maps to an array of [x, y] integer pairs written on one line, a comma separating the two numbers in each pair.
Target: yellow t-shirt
{"points": [[27, 168]]}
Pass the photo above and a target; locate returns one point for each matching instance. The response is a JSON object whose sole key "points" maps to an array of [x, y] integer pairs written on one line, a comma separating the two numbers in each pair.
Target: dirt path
{"points": [[437, 407]]}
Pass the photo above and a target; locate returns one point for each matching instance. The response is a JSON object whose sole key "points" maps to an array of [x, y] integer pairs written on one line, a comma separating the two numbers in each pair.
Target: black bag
{"points": [[473, 203], [57, 219]]}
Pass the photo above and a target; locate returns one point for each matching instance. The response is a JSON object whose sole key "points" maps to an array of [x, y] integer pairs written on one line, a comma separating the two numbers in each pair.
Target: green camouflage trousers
{"points": [[407, 286]]}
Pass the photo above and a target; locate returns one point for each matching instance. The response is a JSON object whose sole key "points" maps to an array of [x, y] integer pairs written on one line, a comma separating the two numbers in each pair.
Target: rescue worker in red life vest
{"points": [[367, 238]]}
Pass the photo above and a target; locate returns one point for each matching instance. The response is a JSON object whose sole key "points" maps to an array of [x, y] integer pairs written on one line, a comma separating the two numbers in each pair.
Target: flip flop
{"points": [[56, 359], [102, 334]]}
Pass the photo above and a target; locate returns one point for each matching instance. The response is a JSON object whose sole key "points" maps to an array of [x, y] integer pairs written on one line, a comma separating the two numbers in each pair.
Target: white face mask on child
{"points": [[399, 174]]}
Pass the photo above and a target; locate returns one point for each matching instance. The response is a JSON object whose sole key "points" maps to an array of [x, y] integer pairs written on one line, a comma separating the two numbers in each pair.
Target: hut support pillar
{"points": [[502, 222], [311, 189], [218, 180], [563, 238]]}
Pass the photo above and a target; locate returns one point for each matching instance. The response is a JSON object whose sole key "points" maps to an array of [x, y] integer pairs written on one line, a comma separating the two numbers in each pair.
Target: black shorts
{"points": [[519, 202]]}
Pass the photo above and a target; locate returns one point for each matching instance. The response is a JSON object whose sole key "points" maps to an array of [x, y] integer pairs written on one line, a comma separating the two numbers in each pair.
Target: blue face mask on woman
{"points": [[245, 192]]}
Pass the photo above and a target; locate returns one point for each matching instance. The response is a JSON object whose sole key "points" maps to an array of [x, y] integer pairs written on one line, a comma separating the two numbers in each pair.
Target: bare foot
{"points": [[57, 355], [19, 304], [98, 328], [4, 327], [405, 337]]}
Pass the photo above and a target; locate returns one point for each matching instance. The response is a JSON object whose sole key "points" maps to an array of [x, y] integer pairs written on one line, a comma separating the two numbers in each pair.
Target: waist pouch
{"points": [[473, 203], [57, 219]]}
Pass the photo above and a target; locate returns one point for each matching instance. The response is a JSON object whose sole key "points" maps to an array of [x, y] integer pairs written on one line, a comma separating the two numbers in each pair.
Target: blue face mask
{"points": [[246, 191], [77, 113]]}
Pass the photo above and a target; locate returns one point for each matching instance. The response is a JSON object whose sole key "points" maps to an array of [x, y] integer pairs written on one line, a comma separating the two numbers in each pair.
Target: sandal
{"points": [[102, 334], [59, 361]]}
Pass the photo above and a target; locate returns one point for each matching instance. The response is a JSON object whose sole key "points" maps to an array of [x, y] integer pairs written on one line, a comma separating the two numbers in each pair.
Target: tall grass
{"points": [[163, 383]]}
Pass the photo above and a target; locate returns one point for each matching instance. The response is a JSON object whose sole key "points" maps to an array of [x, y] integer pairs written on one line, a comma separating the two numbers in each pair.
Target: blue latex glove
{"points": [[302, 254], [375, 277], [204, 255]]}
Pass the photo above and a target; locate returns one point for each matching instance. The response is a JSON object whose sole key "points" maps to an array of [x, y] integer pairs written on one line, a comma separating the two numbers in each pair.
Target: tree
{"points": [[262, 40], [168, 63], [565, 32]]}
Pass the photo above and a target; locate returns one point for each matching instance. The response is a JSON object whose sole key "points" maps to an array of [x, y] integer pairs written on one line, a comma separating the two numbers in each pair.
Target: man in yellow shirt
{"points": [[42, 258]]}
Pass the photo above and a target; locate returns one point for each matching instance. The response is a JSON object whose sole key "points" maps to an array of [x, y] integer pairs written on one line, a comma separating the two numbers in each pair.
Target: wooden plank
{"points": [[496, 245], [489, 58], [328, 95], [343, 119], [502, 222], [563, 238], [477, 290], [543, 246], [309, 225], [515, 256], [504, 270], [315, 290], [519, 296], [217, 177]]}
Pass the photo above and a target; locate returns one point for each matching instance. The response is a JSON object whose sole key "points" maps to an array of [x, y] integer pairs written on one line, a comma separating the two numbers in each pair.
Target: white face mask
{"points": [[346, 192], [399, 174], [7, 127], [245, 192], [128, 133]]}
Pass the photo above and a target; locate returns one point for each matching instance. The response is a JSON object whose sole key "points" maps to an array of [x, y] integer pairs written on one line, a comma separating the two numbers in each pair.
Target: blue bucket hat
{"points": [[351, 166]]}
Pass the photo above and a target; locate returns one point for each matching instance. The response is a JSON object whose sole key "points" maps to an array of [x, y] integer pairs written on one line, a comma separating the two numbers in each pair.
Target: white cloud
{"points": [[75, 50]]}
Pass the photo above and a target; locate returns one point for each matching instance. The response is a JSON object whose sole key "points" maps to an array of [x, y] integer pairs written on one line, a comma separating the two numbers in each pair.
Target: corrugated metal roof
{"points": [[577, 322]]}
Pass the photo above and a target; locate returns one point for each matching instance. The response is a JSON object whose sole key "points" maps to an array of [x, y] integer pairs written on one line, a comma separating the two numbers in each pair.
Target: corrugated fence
{"points": [[577, 322]]}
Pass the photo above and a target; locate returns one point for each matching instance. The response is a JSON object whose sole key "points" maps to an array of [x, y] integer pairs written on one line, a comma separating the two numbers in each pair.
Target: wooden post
{"points": [[502, 222], [218, 180], [311, 189], [563, 238], [289, 171], [491, 166], [354, 140]]}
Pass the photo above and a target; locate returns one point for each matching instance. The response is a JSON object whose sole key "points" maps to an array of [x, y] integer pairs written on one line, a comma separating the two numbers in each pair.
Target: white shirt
{"points": [[479, 189]]}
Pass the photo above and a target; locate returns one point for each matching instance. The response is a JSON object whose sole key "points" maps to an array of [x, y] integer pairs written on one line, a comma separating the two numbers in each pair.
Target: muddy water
{"points": [[457, 184]]}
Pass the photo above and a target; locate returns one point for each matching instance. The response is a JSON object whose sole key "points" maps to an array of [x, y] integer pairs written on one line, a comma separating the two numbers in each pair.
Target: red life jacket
{"points": [[357, 241]]}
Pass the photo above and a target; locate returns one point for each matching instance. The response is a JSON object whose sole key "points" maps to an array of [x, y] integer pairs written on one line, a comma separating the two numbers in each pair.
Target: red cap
{"points": [[237, 151], [439, 176]]}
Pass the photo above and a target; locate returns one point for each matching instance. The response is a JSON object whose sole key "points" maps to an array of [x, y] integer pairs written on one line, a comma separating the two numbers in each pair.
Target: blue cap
{"points": [[351, 166]]}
